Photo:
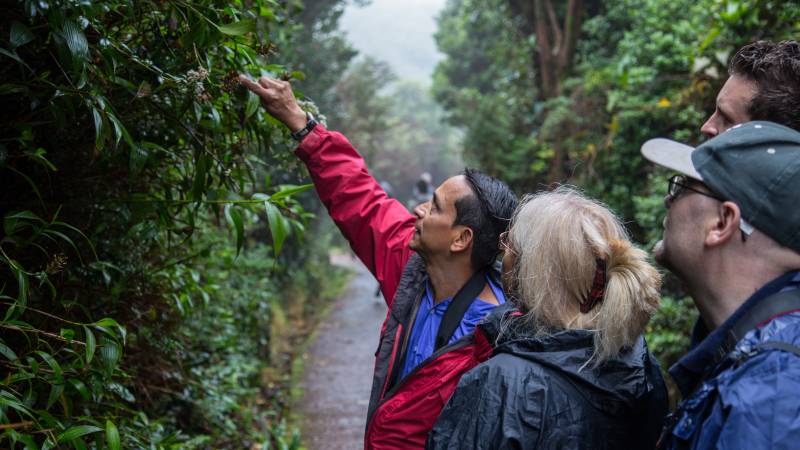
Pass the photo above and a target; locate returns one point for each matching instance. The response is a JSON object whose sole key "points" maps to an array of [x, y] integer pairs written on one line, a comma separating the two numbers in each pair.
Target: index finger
{"points": [[252, 85]]}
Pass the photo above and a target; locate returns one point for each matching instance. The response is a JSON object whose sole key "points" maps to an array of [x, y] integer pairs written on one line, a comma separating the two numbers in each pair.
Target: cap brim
{"points": [[672, 155]]}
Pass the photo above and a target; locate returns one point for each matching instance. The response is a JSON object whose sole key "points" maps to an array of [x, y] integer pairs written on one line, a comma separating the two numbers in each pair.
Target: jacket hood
{"points": [[618, 383]]}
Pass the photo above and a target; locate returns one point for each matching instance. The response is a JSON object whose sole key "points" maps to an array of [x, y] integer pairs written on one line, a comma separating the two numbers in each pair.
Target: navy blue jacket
{"points": [[750, 400]]}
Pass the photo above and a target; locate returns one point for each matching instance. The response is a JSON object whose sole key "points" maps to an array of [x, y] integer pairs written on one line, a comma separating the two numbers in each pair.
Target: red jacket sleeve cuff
{"points": [[312, 142]]}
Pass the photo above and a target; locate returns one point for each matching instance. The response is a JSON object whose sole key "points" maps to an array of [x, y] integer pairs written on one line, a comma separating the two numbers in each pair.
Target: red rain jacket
{"points": [[401, 413]]}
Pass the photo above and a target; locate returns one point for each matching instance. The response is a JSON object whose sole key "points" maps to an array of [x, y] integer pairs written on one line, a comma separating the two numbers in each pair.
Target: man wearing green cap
{"points": [[732, 235]]}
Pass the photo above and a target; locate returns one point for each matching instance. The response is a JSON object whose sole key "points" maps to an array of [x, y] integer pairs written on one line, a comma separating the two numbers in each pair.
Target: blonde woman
{"points": [[569, 367]]}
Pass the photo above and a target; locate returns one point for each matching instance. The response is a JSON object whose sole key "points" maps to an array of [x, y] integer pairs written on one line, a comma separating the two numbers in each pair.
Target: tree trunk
{"points": [[555, 47]]}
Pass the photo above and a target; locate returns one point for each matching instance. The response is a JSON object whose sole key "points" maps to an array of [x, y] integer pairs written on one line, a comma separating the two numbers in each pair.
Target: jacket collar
{"points": [[693, 366]]}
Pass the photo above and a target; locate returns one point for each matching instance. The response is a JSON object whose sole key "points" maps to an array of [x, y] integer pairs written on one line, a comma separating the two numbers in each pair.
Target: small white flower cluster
{"points": [[195, 78]]}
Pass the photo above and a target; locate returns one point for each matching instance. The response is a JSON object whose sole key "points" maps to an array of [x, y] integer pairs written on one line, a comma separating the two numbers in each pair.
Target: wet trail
{"points": [[339, 364]]}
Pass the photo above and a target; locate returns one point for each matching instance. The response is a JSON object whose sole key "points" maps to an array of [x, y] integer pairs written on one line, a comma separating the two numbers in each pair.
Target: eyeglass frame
{"points": [[676, 186], [505, 246]]}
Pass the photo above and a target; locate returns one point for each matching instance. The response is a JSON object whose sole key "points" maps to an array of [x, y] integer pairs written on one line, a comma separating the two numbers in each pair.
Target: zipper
{"points": [[462, 342], [391, 360], [390, 374]]}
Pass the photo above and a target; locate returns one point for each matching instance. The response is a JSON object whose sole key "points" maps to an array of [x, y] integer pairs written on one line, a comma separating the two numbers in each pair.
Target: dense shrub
{"points": [[127, 157]]}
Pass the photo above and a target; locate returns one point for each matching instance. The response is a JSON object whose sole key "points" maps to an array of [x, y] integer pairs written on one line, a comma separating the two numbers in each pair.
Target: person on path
{"points": [[570, 368], [422, 190], [433, 267], [764, 84], [732, 236]]}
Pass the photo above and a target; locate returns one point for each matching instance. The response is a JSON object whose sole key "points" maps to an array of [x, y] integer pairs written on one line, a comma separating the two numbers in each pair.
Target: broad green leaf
{"points": [[235, 219], [75, 39], [50, 362], [120, 132], [112, 436], [9, 400], [277, 227], [81, 388], [110, 353], [239, 28], [289, 190], [12, 55], [253, 101], [67, 333], [24, 215], [55, 393], [7, 352], [76, 432], [98, 128], [107, 322], [20, 35], [91, 344]]}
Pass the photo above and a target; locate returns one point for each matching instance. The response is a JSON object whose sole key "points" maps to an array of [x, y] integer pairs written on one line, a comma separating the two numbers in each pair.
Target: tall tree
{"points": [[556, 33]]}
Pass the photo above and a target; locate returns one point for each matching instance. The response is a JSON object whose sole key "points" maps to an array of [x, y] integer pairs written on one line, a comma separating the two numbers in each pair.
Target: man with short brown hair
{"points": [[764, 84]]}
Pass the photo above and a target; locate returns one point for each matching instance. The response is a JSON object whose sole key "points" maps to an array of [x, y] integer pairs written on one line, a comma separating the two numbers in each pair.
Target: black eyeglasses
{"points": [[678, 184]]}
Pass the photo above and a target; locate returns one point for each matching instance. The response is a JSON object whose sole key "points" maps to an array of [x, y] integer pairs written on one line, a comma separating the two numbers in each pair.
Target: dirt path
{"points": [[339, 366]]}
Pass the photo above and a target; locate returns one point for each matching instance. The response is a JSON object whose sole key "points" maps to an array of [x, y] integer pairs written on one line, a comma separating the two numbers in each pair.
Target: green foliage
{"points": [[487, 87], [666, 332], [128, 154], [642, 69]]}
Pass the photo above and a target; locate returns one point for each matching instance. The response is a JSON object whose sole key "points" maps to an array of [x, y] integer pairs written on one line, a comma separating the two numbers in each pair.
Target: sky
{"points": [[399, 32]]}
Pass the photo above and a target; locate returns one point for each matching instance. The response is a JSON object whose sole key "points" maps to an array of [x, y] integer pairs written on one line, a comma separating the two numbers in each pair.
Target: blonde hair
{"points": [[557, 237]]}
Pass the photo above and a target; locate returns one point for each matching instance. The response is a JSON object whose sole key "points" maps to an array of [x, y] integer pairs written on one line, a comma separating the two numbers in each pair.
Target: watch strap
{"points": [[300, 134]]}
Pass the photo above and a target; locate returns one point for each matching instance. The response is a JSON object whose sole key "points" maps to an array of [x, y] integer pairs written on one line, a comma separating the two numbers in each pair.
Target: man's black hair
{"points": [[775, 69], [487, 212]]}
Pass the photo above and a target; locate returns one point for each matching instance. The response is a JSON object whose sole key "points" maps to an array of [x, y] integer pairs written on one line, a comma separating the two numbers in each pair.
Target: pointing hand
{"points": [[278, 99]]}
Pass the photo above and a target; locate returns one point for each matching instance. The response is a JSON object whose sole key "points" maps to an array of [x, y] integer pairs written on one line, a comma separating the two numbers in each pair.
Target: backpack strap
{"points": [[772, 306], [778, 345], [458, 307]]}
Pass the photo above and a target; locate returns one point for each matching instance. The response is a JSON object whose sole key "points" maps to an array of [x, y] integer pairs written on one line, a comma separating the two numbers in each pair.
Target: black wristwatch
{"points": [[300, 134]]}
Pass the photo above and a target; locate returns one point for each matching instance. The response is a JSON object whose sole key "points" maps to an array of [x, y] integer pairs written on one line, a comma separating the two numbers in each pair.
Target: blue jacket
{"points": [[751, 398]]}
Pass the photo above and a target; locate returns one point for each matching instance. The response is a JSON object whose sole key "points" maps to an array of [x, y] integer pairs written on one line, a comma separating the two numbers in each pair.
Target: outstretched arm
{"points": [[377, 227]]}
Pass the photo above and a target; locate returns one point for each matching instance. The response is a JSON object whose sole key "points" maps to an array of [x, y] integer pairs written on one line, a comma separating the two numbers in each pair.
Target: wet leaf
{"points": [[289, 190], [76, 432], [112, 436], [75, 40], [239, 28], [91, 344], [277, 227], [235, 219], [20, 35]]}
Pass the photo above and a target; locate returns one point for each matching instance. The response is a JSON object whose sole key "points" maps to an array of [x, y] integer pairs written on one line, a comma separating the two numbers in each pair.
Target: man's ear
{"points": [[462, 240], [726, 224]]}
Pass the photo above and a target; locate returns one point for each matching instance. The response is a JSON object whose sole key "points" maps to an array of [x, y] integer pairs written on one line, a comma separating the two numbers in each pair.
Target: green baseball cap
{"points": [[755, 165]]}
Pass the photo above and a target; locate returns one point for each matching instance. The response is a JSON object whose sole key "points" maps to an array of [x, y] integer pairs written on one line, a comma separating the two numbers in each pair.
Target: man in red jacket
{"points": [[434, 268]]}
